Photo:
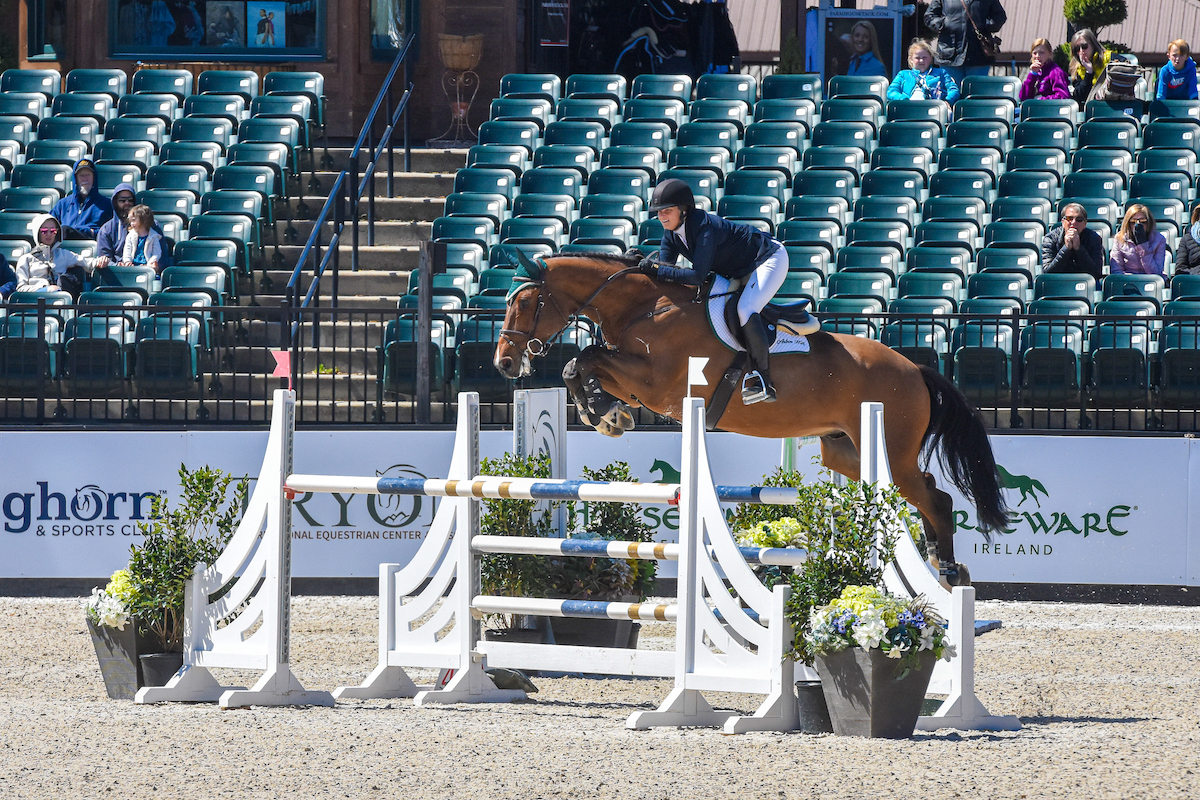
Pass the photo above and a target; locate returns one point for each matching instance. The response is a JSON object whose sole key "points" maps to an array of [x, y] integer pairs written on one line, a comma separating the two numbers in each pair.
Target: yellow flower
{"points": [[120, 586]]}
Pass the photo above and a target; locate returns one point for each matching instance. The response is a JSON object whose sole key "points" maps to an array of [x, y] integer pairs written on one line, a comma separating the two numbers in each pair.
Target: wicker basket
{"points": [[461, 52]]}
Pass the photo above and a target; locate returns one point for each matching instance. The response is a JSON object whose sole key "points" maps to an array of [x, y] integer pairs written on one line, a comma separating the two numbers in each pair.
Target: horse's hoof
{"points": [[953, 575], [586, 417], [619, 416], [609, 430]]}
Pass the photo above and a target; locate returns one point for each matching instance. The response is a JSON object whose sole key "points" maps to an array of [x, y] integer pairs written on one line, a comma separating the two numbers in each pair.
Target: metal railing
{"points": [[345, 200]]}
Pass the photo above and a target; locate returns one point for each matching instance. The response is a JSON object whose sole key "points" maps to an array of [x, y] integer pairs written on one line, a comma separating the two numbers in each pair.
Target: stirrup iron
{"points": [[754, 389]]}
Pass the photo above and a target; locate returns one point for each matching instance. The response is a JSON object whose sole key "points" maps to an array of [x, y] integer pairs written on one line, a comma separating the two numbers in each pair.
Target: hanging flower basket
{"points": [[460, 52]]}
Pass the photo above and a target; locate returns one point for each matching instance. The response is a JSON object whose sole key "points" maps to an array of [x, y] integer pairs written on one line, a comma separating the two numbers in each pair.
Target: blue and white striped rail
{"points": [[491, 487], [583, 609], [646, 551]]}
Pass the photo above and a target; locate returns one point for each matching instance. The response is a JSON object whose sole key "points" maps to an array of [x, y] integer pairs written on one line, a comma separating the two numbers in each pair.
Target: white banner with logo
{"points": [[1104, 510]]}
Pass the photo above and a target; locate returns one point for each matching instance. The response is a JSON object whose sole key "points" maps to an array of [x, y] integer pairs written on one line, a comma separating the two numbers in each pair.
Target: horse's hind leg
{"points": [[937, 518]]}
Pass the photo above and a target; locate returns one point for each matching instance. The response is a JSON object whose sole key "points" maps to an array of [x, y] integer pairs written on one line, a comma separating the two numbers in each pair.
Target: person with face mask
{"points": [[84, 210], [50, 267], [1138, 248]]}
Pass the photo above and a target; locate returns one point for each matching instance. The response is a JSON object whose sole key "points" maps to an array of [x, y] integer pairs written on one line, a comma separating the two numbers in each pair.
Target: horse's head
{"points": [[540, 307], [526, 329]]}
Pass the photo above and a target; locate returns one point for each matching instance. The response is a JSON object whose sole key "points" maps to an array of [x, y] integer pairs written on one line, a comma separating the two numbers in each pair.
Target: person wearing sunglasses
{"points": [[1089, 60], [50, 267], [1073, 247], [1138, 247], [84, 210]]}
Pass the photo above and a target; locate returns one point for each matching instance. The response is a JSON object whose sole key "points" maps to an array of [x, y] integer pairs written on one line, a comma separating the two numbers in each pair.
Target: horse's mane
{"points": [[620, 262]]}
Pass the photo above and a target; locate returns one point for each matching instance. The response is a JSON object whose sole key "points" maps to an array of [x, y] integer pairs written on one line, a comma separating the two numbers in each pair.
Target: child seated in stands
{"points": [[1046, 79], [923, 81], [1177, 78], [143, 244]]}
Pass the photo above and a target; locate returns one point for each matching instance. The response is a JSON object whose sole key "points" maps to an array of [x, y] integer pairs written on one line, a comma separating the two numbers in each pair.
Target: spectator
{"points": [[1138, 247], [110, 242], [1046, 79], [1089, 60], [959, 25], [50, 267], [84, 210], [1187, 256], [1177, 78], [922, 81], [143, 244], [8, 279], [1073, 247], [865, 58]]}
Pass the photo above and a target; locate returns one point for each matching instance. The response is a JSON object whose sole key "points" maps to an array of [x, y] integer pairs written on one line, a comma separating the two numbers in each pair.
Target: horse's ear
{"points": [[526, 266]]}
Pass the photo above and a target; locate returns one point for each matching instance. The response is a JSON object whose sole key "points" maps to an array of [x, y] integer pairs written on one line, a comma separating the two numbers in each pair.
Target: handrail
{"points": [[348, 188]]}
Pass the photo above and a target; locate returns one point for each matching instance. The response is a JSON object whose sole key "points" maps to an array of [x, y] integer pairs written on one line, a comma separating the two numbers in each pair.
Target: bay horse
{"points": [[651, 328]]}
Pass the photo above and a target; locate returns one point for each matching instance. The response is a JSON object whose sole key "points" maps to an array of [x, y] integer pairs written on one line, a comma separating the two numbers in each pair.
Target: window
{"points": [[391, 21], [225, 30], [47, 26]]}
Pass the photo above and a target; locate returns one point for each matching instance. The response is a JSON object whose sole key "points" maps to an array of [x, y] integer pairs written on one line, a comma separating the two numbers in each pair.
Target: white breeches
{"points": [[762, 284]]}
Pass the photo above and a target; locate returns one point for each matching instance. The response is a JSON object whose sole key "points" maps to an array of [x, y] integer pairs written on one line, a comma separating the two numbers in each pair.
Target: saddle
{"points": [[792, 318]]}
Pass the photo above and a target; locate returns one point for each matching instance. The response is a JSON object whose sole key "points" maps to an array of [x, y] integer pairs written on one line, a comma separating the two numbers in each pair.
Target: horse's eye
{"points": [[523, 301]]}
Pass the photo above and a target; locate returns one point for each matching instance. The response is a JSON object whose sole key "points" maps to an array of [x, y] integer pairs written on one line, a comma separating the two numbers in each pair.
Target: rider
{"points": [[730, 249]]}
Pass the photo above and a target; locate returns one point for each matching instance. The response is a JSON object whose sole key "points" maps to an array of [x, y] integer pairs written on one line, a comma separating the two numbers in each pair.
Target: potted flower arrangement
{"points": [[875, 653], [147, 596], [839, 527], [570, 578]]}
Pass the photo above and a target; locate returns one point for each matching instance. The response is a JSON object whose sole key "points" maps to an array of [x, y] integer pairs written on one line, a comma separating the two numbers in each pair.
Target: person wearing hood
{"points": [[1177, 78], [84, 210], [50, 267], [110, 241]]}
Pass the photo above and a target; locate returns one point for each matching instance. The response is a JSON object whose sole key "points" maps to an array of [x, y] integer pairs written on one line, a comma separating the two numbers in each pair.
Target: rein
{"points": [[530, 350]]}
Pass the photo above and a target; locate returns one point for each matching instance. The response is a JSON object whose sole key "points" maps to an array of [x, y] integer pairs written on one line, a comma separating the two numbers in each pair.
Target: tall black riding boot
{"points": [[757, 386]]}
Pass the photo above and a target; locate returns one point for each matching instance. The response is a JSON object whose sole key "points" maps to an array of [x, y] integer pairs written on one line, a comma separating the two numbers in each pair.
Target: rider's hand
{"points": [[647, 267]]}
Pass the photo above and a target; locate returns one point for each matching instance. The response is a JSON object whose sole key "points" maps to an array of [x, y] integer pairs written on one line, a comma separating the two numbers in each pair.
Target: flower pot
{"points": [[869, 694], [813, 711], [158, 668], [117, 652]]}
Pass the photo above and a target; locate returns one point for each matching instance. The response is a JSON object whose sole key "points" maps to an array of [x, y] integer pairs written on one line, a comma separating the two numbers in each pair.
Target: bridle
{"points": [[534, 346]]}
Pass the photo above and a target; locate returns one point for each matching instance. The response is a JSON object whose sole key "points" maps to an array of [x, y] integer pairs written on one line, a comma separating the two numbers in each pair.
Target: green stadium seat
{"points": [[805, 86], [939, 258], [998, 284], [729, 86], [1113, 134], [678, 87], [630, 156], [779, 110], [954, 207], [650, 231], [709, 133], [776, 134], [30, 105], [1177, 384], [81, 129], [1029, 183], [827, 183], [627, 181], [893, 233], [770, 158], [96, 351], [929, 284], [954, 232], [981, 355], [112, 82], [523, 109], [157, 106], [475, 345], [815, 206], [524, 134], [962, 183], [857, 109], [397, 365], [1041, 159], [222, 106], [580, 158], [1052, 361], [714, 109], [1017, 207], [1094, 159], [917, 307], [1044, 133], [1132, 109], [1151, 286], [887, 208], [167, 349], [695, 156], [760, 182], [1172, 160], [1095, 184], [801, 284], [990, 306], [893, 183], [209, 280], [586, 85], [829, 156], [1172, 135], [43, 176], [1159, 185], [818, 233], [1015, 231], [808, 258], [655, 109], [242, 82], [46, 81], [923, 343], [961, 157], [911, 133], [933, 110], [744, 207], [849, 315], [876, 284], [911, 158], [1042, 109], [979, 133], [1174, 110], [1063, 285], [1117, 370], [990, 109], [546, 86], [136, 129], [643, 134], [217, 130], [511, 157], [29, 352], [545, 230], [1006, 87], [861, 257], [603, 231], [63, 153], [163, 81], [858, 86], [29, 199], [469, 204], [603, 110]]}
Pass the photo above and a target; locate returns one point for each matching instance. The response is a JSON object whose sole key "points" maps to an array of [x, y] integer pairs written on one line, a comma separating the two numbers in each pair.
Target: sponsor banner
{"points": [[1086, 509]]}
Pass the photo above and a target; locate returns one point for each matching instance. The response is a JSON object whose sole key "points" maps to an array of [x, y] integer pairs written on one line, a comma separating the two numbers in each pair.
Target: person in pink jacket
{"points": [[1046, 79], [1138, 248]]}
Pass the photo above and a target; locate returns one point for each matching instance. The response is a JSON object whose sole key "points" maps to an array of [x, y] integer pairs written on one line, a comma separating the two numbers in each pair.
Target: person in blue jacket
{"points": [[8, 278], [715, 245], [1177, 78], [922, 81], [111, 238], [865, 58], [84, 210]]}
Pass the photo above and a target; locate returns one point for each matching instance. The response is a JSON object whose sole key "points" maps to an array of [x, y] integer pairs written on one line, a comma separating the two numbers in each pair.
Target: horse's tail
{"points": [[957, 435]]}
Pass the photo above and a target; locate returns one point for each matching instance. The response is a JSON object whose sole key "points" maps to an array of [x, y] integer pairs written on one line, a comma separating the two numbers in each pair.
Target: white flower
{"points": [[895, 652], [869, 629], [950, 652], [106, 609], [927, 634]]}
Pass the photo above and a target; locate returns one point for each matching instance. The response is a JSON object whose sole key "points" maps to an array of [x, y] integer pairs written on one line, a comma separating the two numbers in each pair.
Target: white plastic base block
{"points": [[278, 687], [683, 707], [777, 713], [471, 685], [384, 682], [189, 685]]}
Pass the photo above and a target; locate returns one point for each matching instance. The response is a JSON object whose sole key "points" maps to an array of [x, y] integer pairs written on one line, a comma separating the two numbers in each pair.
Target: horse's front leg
{"points": [[592, 378]]}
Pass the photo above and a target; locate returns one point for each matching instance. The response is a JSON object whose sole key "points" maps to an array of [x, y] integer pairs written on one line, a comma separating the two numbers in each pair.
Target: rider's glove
{"points": [[647, 267]]}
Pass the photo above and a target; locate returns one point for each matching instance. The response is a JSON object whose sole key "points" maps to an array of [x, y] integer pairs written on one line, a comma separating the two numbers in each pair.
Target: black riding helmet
{"points": [[672, 192]]}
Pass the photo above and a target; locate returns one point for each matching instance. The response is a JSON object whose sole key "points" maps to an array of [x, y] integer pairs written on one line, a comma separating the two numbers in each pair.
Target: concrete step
{"points": [[363, 301], [387, 232], [423, 159], [399, 258], [350, 284], [405, 184]]}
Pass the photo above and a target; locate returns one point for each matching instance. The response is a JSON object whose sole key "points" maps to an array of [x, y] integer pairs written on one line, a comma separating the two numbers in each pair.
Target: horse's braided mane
{"points": [[623, 260]]}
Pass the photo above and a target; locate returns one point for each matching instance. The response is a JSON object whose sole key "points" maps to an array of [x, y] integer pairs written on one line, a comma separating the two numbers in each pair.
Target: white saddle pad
{"points": [[785, 341]]}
